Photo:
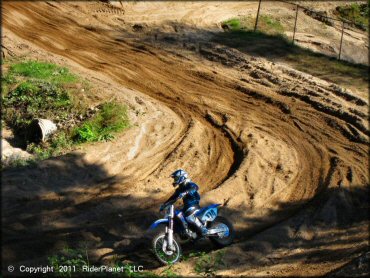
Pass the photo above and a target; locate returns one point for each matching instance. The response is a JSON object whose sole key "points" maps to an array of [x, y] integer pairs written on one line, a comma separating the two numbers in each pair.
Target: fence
{"points": [[343, 26]]}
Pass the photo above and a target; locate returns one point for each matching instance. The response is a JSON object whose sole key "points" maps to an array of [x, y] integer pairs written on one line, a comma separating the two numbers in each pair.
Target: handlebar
{"points": [[165, 207]]}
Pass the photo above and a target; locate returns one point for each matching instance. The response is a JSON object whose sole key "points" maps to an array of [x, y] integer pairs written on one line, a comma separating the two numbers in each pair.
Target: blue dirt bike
{"points": [[166, 243]]}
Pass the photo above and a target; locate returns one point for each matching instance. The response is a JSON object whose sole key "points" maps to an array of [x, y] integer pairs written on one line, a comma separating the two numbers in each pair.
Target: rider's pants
{"points": [[192, 219]]}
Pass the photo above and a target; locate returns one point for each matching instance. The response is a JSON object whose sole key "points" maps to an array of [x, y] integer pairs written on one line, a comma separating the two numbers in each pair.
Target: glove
{"points": [[162, 207]]}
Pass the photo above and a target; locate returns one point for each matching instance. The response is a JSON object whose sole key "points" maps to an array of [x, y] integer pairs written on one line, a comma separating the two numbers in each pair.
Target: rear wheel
{"points": [[222, 239], [162, 252]]}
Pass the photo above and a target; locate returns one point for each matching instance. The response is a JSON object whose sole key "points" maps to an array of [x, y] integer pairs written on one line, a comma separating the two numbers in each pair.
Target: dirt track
{"points": [[265, 140]]}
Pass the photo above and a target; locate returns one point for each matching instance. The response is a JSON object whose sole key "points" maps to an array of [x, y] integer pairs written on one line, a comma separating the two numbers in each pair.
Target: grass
{"points": [[208, 264], [269, 25], [169, 272], [69, 262], [233, 23], [37, 99], [352, 76], [357, 13], [111, 119], [57, 145], [34, 89], [277, 47], [45, 71], [18, 162], [266, 24]]}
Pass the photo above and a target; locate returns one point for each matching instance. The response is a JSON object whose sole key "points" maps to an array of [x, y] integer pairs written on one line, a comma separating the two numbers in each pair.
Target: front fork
{"points": [[169, 229]]}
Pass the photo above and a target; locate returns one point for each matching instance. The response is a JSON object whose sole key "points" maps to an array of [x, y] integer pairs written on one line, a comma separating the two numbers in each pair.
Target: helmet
{"points": [[179, 177]]}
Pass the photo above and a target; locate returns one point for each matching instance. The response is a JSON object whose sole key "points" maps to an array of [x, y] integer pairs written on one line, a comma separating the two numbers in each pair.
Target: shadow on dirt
{"points": [[328, 228], [67, 202], [277, 47], [255, 44]]}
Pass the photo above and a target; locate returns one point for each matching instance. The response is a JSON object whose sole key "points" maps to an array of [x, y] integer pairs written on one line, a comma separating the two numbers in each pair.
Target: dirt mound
{"points": [[260, 137]]}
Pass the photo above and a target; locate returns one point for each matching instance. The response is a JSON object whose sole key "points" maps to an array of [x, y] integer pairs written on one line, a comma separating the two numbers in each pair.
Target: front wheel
{"points": [[223, 239], [162, 252]]}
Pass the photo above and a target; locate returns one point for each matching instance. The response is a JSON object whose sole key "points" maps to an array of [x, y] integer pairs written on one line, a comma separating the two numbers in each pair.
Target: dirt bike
{"points": [[166, 243]]}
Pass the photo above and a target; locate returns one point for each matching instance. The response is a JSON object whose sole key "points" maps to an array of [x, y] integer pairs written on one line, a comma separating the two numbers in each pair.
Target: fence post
{"points": [[341, 41], [258, 13], [295, 23]]}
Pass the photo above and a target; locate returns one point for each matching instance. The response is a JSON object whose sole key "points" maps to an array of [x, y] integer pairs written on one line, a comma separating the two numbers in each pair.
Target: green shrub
{"points": [[71, 260], [39, 151], [270, 25], [17, 162], [87, 133], [168, 272], [266, 24], [207, 264], [357, 13], [30, 100], [58, 144], [111, 118], [34, 89], [233, 23]]}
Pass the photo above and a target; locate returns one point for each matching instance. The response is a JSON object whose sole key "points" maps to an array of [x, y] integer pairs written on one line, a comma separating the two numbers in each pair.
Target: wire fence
{"points": [[333, 43]]}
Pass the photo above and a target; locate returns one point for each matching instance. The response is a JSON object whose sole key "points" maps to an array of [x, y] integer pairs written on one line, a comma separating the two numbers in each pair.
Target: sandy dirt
{"points": [[285, 153]]}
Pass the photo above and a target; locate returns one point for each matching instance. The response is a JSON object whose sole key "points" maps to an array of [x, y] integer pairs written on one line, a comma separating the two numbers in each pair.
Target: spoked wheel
{"points": [[163, 253], [225, 238]]}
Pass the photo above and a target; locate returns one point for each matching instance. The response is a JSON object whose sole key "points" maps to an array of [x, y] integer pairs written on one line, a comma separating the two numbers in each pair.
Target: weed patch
{"points": [[38, 90], [277, 47], [69, 262], [43, 71], [357, 13], [58, 144], [168, 272], [75, 263], [233, 24], [38, 99], [266, 24], [111, 119], [18, 162], [269, 25], [207, 264]]}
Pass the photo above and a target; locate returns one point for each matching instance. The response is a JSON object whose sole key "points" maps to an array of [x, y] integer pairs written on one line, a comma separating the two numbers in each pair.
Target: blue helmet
{"points": [[179, 177]]}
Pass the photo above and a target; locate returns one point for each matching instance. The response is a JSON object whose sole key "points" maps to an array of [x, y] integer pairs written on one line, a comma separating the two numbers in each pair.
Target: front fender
{"points": [[158, 222]]}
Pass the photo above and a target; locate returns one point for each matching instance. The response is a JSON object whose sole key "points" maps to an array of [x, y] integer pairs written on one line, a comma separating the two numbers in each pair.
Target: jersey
{"points": [[189, 194]]}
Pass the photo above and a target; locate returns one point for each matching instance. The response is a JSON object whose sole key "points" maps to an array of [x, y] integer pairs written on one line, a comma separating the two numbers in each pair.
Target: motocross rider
{"points": [[188, 192]]}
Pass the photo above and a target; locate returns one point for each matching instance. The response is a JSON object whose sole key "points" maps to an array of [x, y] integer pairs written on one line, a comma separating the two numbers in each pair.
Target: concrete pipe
{"points": [[40, 129]]}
